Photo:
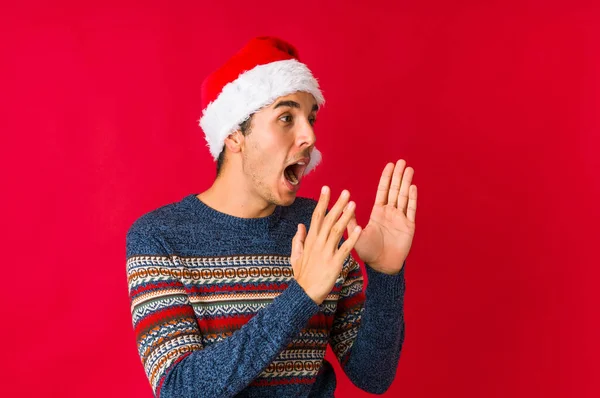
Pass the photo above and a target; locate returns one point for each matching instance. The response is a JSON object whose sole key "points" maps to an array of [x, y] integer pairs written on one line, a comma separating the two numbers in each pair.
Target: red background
{"points": [[494, 103]]}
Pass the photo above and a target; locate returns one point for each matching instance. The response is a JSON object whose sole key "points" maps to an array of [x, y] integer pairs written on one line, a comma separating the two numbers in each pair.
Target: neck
{"points": [[231, 195]]}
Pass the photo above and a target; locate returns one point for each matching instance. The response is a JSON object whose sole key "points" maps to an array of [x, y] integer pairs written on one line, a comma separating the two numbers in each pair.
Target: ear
{"points": [[235, 141]]}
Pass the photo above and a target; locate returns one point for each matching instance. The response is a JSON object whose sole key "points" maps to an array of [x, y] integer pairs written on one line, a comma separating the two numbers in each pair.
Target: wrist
{"points": [[385, 270], [385, 286], [316, 298]]}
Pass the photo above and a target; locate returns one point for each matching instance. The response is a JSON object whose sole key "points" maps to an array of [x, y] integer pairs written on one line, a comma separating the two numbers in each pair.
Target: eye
{"points": [[286, 118], [312, 121]]}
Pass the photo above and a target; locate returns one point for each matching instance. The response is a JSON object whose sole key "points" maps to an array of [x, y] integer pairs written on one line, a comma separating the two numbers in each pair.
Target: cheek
{"points": [[264, 156], [276, 141], [273, 143]]}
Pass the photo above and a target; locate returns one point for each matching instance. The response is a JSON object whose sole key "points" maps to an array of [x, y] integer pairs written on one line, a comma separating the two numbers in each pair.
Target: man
{"points": [[230, 295]]}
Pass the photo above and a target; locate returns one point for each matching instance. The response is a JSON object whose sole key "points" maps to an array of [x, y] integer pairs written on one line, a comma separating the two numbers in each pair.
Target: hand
{"points": [[386, 240], [316, 259]]}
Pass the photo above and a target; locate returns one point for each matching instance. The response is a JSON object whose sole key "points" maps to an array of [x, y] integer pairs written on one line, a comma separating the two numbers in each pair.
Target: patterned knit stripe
{"points": [[265, 382], [155, 294], [344, 336], [215, 270], [149, 277], [153, 304], [354, 298], [352, 286], [162, 316], [241, 306], [136, 261], [215, 311], [215, 291], [241, 294], [192, 262], [343, 350], [299, 343], [233, 323], [278, 370], [164, 336], [179, 339], [306, 339], [292, 364], [298, 352], [156, 372], [235, 318], [235, 273], [212, 261], [350, 319], [152, 273], [349, 312], [161, 335], [352, 272]]}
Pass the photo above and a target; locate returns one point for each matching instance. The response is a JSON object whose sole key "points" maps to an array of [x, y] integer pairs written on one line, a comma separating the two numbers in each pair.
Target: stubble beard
{"points": [[258, 173]]}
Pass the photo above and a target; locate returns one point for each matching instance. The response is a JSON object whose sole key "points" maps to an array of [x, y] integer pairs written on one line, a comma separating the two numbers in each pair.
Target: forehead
{"points": [[303, 99]]}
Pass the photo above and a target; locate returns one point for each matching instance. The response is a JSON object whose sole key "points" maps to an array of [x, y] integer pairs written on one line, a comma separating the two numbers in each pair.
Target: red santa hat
{"points": [[265, 69]]}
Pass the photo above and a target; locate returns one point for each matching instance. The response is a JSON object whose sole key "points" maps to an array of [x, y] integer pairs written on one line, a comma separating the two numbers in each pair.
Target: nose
{"points": [[306, 137]]}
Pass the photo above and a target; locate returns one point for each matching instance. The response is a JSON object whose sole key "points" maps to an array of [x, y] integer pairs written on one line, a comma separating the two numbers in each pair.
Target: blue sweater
{"points": [[217, 312]]}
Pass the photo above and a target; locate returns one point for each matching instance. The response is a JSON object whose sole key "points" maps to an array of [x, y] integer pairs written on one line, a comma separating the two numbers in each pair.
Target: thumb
{"points": [[298, 245]]}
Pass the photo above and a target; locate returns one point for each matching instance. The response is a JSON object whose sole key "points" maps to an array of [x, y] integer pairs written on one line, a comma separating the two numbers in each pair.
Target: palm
{"points": [[386, 240]]}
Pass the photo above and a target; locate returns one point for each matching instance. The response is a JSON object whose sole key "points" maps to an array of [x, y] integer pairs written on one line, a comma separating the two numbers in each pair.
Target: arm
{"points": [[368, 329], [375, 326], [170, 343]]}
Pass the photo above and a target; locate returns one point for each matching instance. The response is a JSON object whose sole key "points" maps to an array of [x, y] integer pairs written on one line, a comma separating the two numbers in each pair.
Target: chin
{"points": [[285, 195], [286, 199]]}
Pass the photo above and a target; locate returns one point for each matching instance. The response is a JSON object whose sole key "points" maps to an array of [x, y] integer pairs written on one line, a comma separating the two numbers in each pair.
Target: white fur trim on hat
{"points": [[251, 91]]}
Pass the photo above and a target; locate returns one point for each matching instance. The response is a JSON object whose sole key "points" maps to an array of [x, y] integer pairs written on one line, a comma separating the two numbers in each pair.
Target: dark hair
{"points": [[245, 128]]}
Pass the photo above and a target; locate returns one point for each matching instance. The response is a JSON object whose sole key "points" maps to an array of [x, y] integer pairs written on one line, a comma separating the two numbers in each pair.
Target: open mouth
{"points": [[294, 172]]}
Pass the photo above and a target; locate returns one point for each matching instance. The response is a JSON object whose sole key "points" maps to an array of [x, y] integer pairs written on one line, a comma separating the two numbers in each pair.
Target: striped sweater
{"points": [[217, 312]]}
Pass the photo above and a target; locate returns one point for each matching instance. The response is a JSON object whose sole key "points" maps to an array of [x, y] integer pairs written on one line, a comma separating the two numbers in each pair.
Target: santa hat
{"points": [[265, 69]]}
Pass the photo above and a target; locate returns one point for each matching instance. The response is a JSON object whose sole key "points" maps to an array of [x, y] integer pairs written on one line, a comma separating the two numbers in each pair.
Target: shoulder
{"points": [[145, 235]]}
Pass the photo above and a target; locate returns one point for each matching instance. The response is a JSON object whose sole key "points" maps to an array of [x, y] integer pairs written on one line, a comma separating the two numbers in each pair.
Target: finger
{"points": [[411, 212], [334, 214], [352, 224], [340, 226], [298, 243], [406, 181], [348, 245], [384, 185], [297, 248], [318, 215], [396, 180]]}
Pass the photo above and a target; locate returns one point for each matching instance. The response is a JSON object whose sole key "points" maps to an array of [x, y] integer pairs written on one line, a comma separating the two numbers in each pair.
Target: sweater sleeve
{"points": [[368, 329], [169, 340]]}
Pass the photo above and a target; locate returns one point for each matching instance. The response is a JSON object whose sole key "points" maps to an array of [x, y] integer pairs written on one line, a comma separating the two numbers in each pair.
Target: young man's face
{"points": [[279, 146]]}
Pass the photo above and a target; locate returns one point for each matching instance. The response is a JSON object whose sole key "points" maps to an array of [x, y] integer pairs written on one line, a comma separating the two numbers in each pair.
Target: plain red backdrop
{"points": [[495, 104]]}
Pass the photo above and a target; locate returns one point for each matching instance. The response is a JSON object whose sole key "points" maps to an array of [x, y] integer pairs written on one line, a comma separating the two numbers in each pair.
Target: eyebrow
{"points": [[294, 104]]}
